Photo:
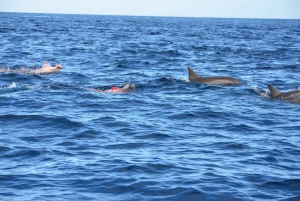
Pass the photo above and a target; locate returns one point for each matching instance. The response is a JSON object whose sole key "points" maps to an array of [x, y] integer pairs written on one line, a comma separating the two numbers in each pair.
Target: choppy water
{"points": [[169, 139]]}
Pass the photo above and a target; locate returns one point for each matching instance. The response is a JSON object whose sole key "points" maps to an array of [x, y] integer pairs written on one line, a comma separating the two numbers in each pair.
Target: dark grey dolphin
{"points": [[218, 80], [293, 96]]}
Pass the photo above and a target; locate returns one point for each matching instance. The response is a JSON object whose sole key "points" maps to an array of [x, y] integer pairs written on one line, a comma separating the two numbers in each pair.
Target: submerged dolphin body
{"points": [[293, 96], [218, 80]]}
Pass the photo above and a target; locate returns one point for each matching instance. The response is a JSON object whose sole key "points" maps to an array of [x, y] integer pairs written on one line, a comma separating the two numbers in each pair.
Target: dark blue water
{"points": [[169, 139]]}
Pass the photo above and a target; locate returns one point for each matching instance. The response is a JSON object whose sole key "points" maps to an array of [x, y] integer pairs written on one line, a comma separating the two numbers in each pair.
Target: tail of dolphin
{"points": [[274, 92]]}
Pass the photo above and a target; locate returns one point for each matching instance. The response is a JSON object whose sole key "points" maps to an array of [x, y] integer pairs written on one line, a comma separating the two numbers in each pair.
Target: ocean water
{"points": [[167, 140]]}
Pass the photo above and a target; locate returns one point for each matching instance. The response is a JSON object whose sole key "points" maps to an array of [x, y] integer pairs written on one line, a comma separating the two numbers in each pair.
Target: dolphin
{"points": [[218, 80], [293, 96]]}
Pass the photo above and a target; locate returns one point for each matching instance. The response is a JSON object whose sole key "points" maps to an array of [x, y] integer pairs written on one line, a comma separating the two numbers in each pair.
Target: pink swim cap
{"points": [[114, 88]]}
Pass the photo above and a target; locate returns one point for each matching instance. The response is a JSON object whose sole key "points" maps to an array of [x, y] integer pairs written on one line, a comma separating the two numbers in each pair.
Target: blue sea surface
{"points": [[170, 139]]}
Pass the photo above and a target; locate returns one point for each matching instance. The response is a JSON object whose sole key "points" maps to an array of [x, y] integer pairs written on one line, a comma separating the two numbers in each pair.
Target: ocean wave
{"points": [[41, 120]]}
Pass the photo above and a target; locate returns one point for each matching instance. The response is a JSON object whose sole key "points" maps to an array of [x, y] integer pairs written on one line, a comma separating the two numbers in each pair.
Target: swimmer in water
{"points": [[46, 68], [114, 89]]}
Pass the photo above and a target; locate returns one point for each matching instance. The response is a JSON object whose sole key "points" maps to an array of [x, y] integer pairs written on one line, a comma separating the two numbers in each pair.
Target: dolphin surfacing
{"points": [[293, 96], [217, 80]]}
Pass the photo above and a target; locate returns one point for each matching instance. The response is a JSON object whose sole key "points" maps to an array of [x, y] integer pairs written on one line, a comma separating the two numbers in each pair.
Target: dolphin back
{"points": [[218, 80]]}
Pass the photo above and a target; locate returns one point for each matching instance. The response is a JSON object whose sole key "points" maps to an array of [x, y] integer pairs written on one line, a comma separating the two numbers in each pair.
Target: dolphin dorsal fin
{"points": [[192, 74], [274, 92]]}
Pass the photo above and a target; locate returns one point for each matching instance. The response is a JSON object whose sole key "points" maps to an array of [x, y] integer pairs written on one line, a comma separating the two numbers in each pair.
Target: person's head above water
{"points": [[58, 67], [114, 89], [124, 88], [128, 87]]}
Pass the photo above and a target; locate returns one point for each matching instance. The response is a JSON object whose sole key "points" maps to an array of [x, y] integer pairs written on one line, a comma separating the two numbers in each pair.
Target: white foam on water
{"points": [[262, 92], [13, 85]]}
